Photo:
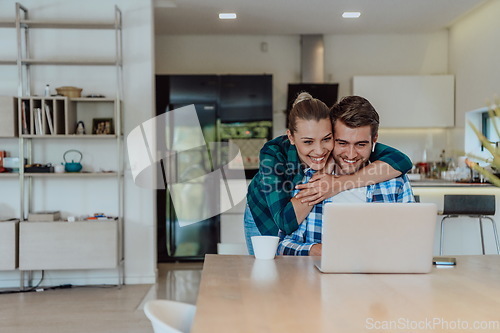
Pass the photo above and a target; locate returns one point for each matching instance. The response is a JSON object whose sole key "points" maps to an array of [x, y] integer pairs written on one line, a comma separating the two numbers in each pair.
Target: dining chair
{"points": [[481, 207], [168, 316]]}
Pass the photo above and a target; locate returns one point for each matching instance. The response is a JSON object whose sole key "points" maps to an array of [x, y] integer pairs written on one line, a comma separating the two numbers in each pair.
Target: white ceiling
{"points": [[276, 17]]}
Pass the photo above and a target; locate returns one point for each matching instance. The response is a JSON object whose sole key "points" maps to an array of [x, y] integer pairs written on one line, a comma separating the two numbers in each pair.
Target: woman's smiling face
{"points": [[314, 141]]}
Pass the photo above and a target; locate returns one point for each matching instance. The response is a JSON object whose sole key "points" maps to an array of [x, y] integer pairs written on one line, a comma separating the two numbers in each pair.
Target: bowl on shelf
{"points": [[71, 92]]}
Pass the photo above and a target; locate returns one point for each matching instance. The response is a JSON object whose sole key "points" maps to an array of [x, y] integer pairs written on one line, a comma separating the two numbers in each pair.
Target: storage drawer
{"points": [[9, 231], [68, 245]]}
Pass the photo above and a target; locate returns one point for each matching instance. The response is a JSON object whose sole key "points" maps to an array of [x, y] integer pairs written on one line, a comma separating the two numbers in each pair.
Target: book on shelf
{"points": [[38, 122], [24, 116], [49, 119]]}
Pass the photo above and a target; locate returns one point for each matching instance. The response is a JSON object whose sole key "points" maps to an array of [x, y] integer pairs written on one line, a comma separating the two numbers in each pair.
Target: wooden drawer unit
{"points": [[9, 231], [68, 245]]}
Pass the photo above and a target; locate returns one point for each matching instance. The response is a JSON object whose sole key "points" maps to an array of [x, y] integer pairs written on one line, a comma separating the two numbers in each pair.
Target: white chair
{"points": [[170, 316]]}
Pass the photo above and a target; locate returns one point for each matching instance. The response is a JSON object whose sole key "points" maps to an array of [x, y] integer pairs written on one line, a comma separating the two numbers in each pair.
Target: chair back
{"points": [[469, 204], [170, 316]]}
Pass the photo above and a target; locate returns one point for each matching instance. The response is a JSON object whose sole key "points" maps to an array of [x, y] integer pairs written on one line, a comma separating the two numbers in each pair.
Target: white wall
{"points": [[138, 102], [345, 56], [474, 50], [396, 54]]}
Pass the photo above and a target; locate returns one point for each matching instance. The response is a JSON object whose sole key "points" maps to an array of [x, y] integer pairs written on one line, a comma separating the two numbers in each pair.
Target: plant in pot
{"points": [[491, 174]]}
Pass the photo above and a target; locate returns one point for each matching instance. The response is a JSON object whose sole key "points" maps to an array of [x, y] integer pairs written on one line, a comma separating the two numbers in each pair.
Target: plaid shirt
{"points": [[280, 170], [299, 243]]}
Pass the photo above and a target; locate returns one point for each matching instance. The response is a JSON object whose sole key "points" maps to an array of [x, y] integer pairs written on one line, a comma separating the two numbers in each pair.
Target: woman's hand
{"points": [[324, 185], [320, 187]]}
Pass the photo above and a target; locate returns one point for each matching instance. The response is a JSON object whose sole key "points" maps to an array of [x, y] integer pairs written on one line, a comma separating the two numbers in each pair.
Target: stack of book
{"points": [[43, 123]]}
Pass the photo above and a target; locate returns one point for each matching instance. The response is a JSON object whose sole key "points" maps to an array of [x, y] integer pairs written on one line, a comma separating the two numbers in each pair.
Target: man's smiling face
{"points": [[352, 147]]}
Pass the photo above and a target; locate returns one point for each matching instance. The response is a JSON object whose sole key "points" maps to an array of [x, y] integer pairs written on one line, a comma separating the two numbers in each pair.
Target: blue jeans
{"points": [[250, 229]]}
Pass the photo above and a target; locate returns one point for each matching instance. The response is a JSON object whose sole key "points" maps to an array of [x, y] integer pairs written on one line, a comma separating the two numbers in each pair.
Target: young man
{"points": [[355, 133]]}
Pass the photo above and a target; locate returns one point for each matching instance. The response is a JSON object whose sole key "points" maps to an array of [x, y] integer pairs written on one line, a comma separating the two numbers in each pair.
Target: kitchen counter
{"points": [[445, 183]]}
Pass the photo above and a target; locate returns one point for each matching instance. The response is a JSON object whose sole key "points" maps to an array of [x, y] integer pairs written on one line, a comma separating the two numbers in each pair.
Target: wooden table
{"points": [[288, 294]]}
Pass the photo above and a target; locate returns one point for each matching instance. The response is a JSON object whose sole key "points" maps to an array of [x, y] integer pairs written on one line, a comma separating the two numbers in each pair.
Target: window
{"points": [[488, 128]]}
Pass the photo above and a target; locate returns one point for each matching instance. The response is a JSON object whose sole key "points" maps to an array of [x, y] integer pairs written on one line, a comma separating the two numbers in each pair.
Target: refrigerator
{"points": [[215, 99], [178, 241]]}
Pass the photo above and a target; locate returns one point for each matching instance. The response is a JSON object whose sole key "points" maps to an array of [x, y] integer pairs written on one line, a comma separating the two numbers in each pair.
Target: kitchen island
{"points": [[462, 234]]}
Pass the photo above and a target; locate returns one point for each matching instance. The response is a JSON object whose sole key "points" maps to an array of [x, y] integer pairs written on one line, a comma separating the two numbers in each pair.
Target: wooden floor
{"points": [[94, 309]]}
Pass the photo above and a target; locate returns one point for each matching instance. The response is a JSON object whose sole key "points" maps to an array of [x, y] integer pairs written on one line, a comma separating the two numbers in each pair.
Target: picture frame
{"points": [[103, 126]]}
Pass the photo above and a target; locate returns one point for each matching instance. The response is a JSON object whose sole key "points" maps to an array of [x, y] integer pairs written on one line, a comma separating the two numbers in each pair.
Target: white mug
{"points": [[265, 247]]}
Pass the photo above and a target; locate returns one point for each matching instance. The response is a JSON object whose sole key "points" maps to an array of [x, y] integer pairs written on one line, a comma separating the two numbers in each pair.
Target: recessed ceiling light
{"points": [[165, 4], [351, 14], [227, 16]]}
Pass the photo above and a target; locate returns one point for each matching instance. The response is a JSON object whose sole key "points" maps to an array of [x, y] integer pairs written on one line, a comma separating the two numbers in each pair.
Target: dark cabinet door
{"points": [[194, 89], [245, 98]]}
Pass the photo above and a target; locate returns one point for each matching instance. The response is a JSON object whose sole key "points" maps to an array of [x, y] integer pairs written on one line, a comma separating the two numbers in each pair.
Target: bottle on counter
{"points": [[47, 91], [434, 171]]}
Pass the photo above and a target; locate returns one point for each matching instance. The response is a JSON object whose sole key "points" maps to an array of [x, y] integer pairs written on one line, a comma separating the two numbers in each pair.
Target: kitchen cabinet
{"points": [[245, 98], [419, 101], [232, 233], [47, 127]]}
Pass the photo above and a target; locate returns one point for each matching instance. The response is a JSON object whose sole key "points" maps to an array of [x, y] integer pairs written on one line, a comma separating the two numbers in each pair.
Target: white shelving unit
{"points": [[62, 245]]}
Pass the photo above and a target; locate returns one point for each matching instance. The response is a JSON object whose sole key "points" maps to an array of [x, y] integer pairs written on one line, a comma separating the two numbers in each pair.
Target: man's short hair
{"points": [[356, 111]]}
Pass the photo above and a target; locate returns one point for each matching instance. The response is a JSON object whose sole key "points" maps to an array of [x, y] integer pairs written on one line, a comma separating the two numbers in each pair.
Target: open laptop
{"points": [[377, 237]]}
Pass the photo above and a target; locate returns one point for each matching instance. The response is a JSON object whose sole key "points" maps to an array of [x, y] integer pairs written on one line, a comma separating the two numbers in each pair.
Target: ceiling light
{"points": [[227, 16], [165, 4], [351, 14]]}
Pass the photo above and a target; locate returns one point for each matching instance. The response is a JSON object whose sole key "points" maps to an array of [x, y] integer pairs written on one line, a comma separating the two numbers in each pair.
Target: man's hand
{"points": [[315, 250]]}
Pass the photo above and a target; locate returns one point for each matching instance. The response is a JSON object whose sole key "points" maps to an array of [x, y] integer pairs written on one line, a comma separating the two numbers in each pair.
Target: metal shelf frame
{"points": [[23, 24]]}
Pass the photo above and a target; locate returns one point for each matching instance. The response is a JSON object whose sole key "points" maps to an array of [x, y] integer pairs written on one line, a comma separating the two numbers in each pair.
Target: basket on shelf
{"points": [[71, 92]]}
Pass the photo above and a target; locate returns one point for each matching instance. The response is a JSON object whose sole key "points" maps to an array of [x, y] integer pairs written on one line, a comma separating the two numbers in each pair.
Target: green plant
{"points": [[494, 114]]}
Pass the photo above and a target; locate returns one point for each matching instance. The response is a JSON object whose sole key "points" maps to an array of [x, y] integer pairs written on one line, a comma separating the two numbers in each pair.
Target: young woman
{"points": [[307, 148]]}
